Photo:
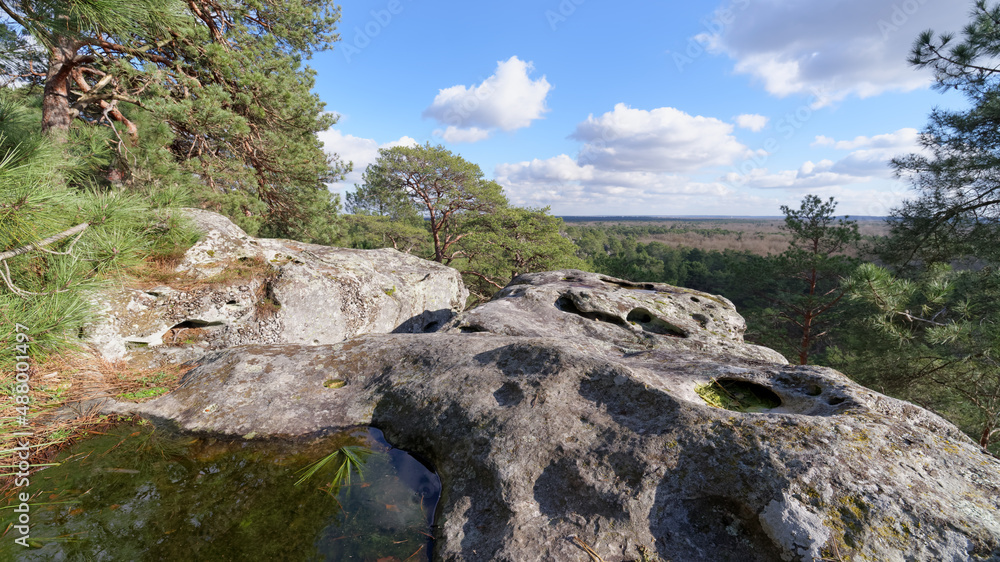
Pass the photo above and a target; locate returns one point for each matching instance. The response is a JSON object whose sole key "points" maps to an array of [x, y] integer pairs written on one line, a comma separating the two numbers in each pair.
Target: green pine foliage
{"points": [[219, 87], [933, 339], [511, 241], [815, 263], [447, 189], [957, 177], [46, 189], [368, 232], [431, 202], [926, 324]]}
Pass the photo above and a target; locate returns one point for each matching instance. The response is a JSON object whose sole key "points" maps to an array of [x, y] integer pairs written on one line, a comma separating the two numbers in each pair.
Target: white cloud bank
{"points": [[835, 49], [360, 151], [664, 139], [631, 161], [662, 161], [868, 160], [507, 100]]}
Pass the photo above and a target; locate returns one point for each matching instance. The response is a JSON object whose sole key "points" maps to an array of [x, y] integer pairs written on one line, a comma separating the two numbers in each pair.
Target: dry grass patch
{"points": [[161, 270], [158, 270], [61, 408]]}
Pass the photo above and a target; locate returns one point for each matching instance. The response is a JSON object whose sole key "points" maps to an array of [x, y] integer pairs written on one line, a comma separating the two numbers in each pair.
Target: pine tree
{"points": [[448, 189], [958, 175], [511, 241], [226, 76], [814, 263]]}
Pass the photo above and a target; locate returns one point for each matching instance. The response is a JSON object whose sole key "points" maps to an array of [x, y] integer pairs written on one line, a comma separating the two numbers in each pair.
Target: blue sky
{"points": [[639, 108]]}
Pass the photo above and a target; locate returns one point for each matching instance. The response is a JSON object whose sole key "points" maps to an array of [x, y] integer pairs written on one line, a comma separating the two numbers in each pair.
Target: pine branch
{"points": [[41, 243]]}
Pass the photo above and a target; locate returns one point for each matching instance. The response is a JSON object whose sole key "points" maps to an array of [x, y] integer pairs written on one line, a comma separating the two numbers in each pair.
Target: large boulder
{"points": [[557, 429], [629, 316], [232, 289]]}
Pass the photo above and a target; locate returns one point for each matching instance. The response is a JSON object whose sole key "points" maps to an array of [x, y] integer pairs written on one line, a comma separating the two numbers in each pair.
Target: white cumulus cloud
{"points": [[831, 49], [868, 160], [360, 151], [507, 100], [572, 187], [753, 122], [632, 161], [664, 139]]}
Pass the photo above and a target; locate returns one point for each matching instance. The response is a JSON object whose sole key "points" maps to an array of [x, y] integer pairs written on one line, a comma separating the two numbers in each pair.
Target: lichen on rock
{"points": [[232, 289], [555, 420]]}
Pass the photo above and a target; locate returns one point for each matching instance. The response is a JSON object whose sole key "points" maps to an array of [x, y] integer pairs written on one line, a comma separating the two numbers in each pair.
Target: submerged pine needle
{"points": [[352, 457]]}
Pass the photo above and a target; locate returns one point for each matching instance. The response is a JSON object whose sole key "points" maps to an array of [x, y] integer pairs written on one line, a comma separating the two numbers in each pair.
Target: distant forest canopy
{"points": [[696, 218], [758, 235]]}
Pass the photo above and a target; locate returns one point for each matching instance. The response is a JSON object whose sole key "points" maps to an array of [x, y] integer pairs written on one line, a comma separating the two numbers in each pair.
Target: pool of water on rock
{"points": [[141, 494]]}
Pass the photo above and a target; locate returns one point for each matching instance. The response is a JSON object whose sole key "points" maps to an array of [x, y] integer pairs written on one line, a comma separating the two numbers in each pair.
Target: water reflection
{"points": [[138, 494]]}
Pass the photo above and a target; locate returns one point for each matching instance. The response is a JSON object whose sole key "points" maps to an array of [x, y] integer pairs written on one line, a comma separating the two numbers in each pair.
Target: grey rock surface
{"points": [[556, 426], [288, 292], [629, 316]]}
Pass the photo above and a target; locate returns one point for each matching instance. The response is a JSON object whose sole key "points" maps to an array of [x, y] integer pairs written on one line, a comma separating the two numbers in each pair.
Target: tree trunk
{"points": [[807, 319], [806, 338], [56, 113], [987, 435]]}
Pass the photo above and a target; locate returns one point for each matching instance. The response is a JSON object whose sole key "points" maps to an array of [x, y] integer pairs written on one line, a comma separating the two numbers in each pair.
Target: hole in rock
{"points": [[629, 285], [189, 332], [431, 327], [738, 395], [695, 299], [472, 329], [267, 305], [649, 322], [835, 400], [157, 484], [187, 324], [814, 390], [566, 304], [701, 319], [232, 303]]}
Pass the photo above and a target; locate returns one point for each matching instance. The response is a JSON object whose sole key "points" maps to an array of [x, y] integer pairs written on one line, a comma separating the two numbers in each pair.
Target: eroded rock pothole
{"points": [[738, 395]]}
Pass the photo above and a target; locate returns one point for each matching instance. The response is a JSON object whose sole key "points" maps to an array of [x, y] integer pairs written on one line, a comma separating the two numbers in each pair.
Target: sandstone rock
{"points": [[599, 436], [631, 316], [233, 289]]}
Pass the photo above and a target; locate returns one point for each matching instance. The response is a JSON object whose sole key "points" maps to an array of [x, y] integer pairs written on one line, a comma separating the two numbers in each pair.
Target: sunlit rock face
{"points": [[631, 317], [232, 289], [571, 414]]}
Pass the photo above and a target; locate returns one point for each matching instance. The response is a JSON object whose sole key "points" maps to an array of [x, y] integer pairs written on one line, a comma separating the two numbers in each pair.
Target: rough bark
{"points": [[56, 111]]}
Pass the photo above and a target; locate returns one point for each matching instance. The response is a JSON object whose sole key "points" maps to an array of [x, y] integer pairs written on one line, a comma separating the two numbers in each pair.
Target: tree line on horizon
{"points": [[118, 112]]}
